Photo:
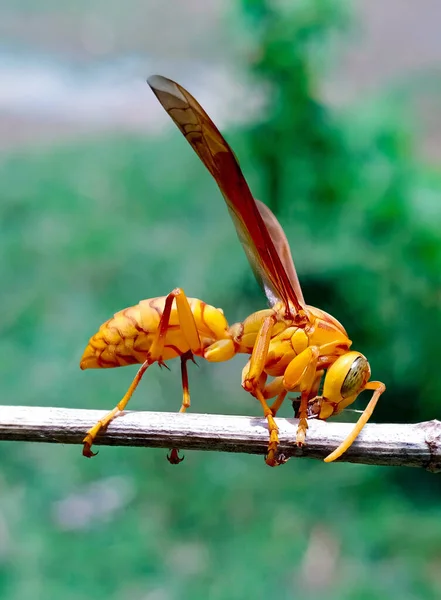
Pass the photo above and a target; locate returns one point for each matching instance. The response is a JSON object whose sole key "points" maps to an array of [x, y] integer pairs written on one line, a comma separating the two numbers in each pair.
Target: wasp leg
{"points": [[275, 406], [256, 365], [272, 457], [186, 323], [191, 334], [279, 457], [253, 380], [270, 390], [104, 422], [275, 388], [316, 385], [173, 457], [313, 395], [364, 418], [301, 375]]}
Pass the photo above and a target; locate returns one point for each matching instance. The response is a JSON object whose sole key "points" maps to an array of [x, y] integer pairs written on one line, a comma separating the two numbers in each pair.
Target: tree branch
{"points": [[417, 445]]}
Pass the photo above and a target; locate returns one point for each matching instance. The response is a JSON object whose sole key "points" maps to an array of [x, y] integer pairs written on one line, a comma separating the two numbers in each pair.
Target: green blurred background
{"points": [[333, 110]]}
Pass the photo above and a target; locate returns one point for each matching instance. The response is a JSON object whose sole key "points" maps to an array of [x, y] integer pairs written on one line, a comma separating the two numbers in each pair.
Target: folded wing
{"points": [[261, 235]]}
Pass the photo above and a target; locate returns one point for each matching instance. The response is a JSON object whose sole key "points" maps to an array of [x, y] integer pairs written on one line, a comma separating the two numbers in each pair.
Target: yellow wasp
{"points": [[295, 344]]}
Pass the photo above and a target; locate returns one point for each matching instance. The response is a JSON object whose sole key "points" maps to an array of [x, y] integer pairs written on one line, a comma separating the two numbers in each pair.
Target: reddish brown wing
{"points": [[208, 143], [282, 247]]}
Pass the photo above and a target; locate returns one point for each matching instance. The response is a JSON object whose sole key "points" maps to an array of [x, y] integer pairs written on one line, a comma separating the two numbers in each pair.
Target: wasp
{"points": [[292, 347]]}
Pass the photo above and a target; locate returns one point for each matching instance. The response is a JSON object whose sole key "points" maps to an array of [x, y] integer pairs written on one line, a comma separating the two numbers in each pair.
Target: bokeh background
{"points": [[333, 110]]}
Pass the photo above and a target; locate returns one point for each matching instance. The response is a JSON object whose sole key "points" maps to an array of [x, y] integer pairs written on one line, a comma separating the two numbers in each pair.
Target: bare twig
{"points": [[417, 445]]}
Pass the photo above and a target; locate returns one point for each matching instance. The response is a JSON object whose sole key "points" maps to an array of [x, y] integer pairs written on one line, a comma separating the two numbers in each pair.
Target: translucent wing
{"points": [[282, 247], [265, 245]]}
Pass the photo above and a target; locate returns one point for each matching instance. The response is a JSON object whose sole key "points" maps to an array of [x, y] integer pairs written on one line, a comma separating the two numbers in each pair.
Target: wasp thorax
{"points": [[357, 376]]}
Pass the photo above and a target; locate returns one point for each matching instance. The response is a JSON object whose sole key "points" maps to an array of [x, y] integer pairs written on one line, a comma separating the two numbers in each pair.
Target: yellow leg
{"points": [[189, 329], [272, 459], [301, 375], [312, 394], [191, 334], [173, 457], [316, 385], [272, 389], [254, 379], [250, 380], [275, 406], [364, 418], [186, 322], [102, 423], [309, 381]]}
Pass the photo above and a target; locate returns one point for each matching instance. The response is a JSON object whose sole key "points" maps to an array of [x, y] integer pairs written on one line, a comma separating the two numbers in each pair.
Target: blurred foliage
{"points": [[88, 229]]}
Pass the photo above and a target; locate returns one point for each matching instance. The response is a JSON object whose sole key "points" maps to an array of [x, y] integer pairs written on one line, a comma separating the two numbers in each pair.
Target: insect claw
{"points": [[275, 461], [161, 364], [282, 459], [87, 452], [87, 445], [173, 457]]}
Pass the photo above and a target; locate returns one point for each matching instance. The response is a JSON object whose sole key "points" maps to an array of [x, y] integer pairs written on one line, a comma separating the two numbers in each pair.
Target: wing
{"points": [[282, 247], [257, 239]]}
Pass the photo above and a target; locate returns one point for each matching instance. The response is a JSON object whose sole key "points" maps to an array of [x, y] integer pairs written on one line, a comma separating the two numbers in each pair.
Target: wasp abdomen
{"points": [[126, 338]]}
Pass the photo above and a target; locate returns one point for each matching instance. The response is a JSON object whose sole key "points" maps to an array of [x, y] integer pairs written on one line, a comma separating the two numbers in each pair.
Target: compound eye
{"points": [[356, 378]]}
